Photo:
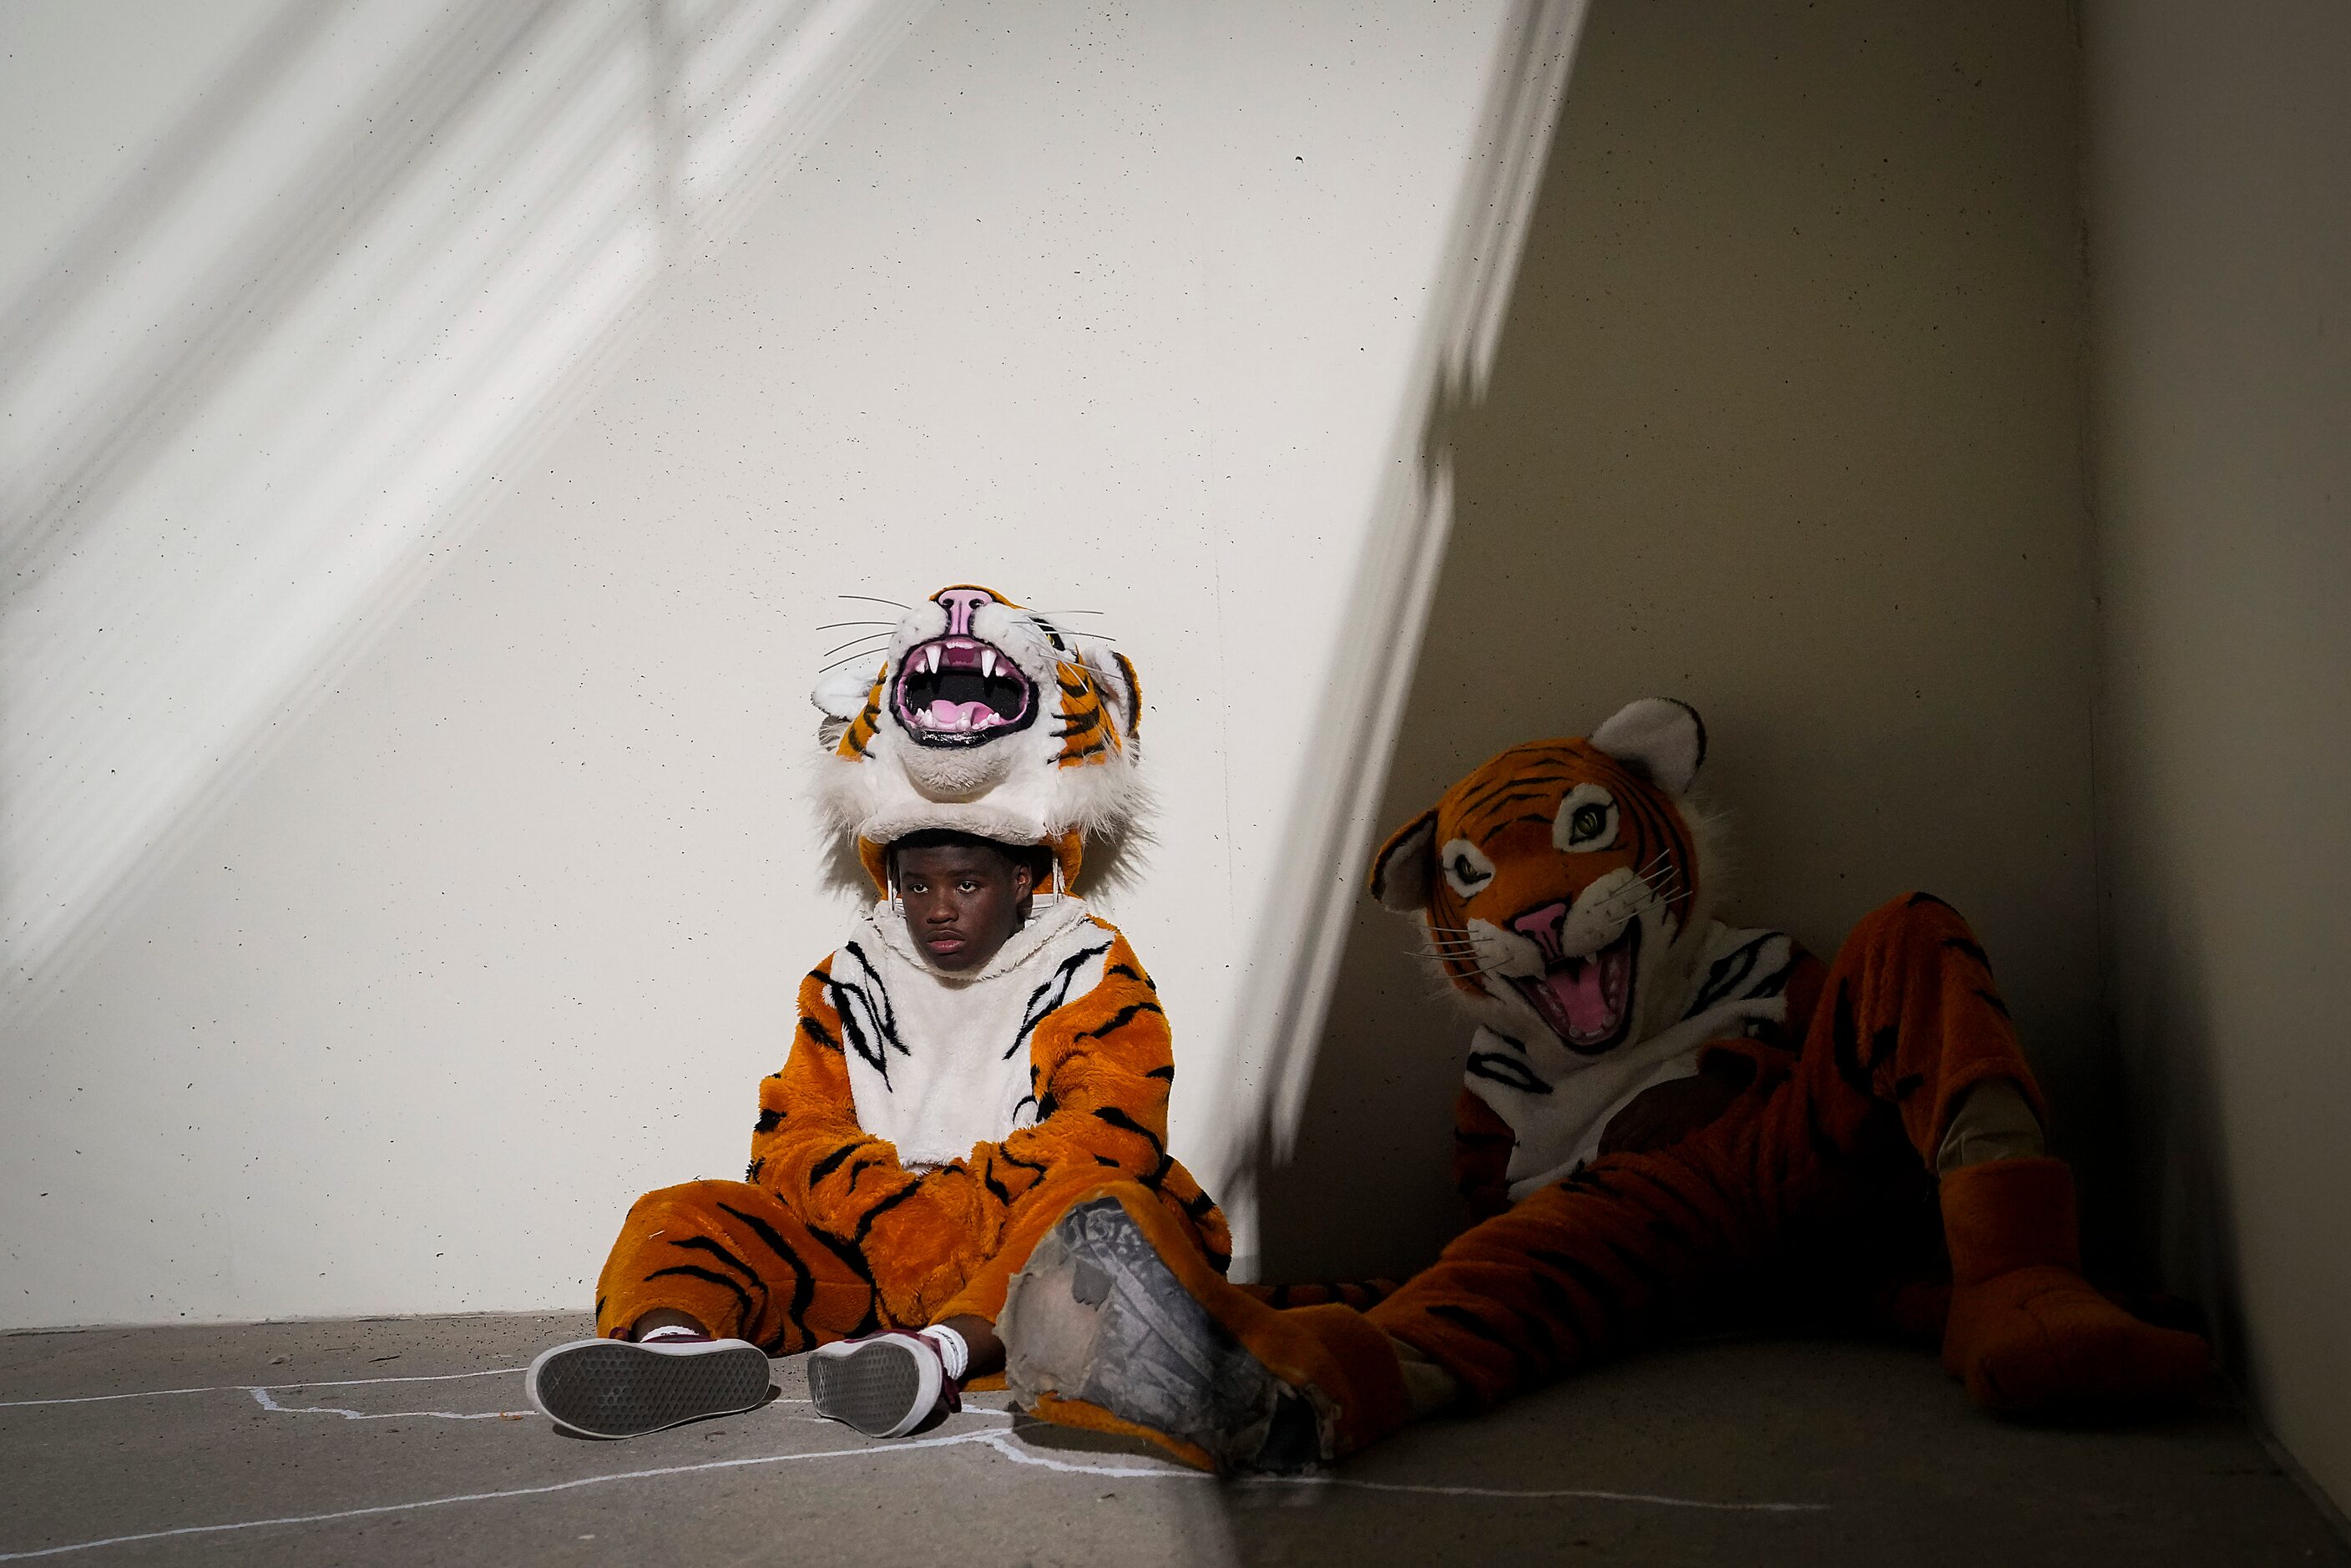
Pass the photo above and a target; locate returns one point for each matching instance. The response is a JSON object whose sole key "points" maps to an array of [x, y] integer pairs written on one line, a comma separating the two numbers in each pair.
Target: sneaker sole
{"points": [[616, 1388], [1097, 1317], [876, 1387]]}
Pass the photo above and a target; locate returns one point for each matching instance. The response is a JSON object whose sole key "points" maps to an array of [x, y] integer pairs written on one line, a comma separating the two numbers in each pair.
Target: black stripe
{"points": [[1169, 1073], [1488, 836], [1479, 1328], [1085, 752], [768, 1122], [695, 1271], [1049, 997], [804, 1292], [1993, 1001], [1126, 1123], [832, 1162], [1845, 1041], [817, 1032], [849, 1253], [1962, 945], [1562, 1305], [1642, 1267], [1508, 1070], [1595, 1285], [1471, 807], [1124, 1017], [710, 1245], [1198, 1208], [1663, 1186], [865, 1224], [1919, 898]]}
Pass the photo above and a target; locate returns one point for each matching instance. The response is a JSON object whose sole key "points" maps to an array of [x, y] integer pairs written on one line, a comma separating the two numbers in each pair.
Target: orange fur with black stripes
{"points": [[833, 1234], [925, 1123], [1671, 1122], [1103, 1064]]}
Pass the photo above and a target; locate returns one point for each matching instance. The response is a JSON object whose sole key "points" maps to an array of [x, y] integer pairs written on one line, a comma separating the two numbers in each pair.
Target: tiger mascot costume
{"points": [[1666, 1120], [923, 1133]]}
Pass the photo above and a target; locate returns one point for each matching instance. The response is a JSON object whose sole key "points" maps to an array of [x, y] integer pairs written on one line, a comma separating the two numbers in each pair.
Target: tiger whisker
{"points": [[870, 598], [836, 625], [872, 637], [851, 659]]}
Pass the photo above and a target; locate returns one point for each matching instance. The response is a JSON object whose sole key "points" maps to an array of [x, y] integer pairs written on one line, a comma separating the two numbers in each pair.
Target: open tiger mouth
{"points": [[961, 691], [1588, 1001]]}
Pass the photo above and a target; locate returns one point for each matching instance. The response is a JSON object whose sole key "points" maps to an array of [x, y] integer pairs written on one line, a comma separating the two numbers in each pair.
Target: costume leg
{"points": [[736, 1259], [1911, 1015], [1910, 1063], [1038, 1210]]}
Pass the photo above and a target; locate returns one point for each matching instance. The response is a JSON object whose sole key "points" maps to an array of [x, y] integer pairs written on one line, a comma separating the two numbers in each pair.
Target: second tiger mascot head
{"points": [[987, 719], [1563, 884]]}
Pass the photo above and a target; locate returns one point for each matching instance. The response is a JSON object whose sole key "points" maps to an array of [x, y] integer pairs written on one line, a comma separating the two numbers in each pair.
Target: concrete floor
{"points": [[406, 1441]]}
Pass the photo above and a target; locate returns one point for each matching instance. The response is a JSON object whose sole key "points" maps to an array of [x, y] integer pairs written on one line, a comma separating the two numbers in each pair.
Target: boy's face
{"points": [[962, 902]]}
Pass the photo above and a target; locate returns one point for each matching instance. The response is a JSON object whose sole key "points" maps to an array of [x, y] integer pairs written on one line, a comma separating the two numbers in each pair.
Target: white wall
{"points": [[462, 875], [2219, 224]]}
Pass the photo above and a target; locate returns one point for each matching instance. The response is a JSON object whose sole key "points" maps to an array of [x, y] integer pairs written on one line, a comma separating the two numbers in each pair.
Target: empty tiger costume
{"points": [[927, 1127], [1669, 1121]]}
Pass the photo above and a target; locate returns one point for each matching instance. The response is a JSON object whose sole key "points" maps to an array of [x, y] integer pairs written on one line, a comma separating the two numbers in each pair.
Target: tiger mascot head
{"points": [[1561, 884], [982, 716]]}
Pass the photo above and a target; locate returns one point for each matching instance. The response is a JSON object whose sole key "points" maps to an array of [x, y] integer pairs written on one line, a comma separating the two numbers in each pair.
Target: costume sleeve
{"points": [[845, 1182], [1101, 1068], [1482, 1143]]}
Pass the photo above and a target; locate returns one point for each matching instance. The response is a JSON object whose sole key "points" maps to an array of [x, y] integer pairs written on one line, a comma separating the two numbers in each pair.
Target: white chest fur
{"points": [[938, 1062], [1558, 1104]]}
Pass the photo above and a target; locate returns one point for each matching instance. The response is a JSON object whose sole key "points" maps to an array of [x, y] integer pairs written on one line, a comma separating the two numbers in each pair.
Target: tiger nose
{"points": [[961, 605], [1541, 927]]}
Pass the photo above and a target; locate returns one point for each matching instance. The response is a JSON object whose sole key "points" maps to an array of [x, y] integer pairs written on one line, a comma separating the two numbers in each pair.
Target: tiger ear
{"points": [[1659, 736], [1404, 874], [840, 692], [1114, 672]]}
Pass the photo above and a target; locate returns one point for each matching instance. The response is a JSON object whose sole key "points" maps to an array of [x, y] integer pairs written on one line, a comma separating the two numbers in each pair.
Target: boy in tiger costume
{"points": [[1666, 1121], [977, 1056]]}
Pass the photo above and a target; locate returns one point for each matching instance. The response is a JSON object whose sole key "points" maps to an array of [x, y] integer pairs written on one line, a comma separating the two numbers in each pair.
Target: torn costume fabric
{"points": [[928, 1126], [1669, 1122]]}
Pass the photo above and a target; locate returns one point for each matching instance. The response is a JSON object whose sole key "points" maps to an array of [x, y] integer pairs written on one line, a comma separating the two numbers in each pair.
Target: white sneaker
{"points": [[620, 1389], [885, 1385]]}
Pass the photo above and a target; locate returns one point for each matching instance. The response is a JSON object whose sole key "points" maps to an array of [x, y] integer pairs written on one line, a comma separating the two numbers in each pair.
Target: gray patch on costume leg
{"points": [[1097, 1316]]}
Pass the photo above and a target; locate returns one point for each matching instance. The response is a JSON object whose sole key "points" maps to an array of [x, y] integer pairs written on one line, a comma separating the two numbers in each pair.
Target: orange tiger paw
{"points": [[2041, 1341]]}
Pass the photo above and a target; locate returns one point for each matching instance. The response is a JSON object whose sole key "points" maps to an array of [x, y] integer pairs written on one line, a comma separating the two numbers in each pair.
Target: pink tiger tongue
{"points": [[945, 714], [1581, 1000]]}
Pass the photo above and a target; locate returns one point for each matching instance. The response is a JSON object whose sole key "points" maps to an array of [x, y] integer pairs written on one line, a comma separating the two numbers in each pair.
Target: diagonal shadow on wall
{"points": [[254, 399], [1784, 419]]}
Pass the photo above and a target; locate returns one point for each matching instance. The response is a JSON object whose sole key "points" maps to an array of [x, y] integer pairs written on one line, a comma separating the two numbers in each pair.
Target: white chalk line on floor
{"points": [[995, 1438], [1429, 1489], [272, 1387]]}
